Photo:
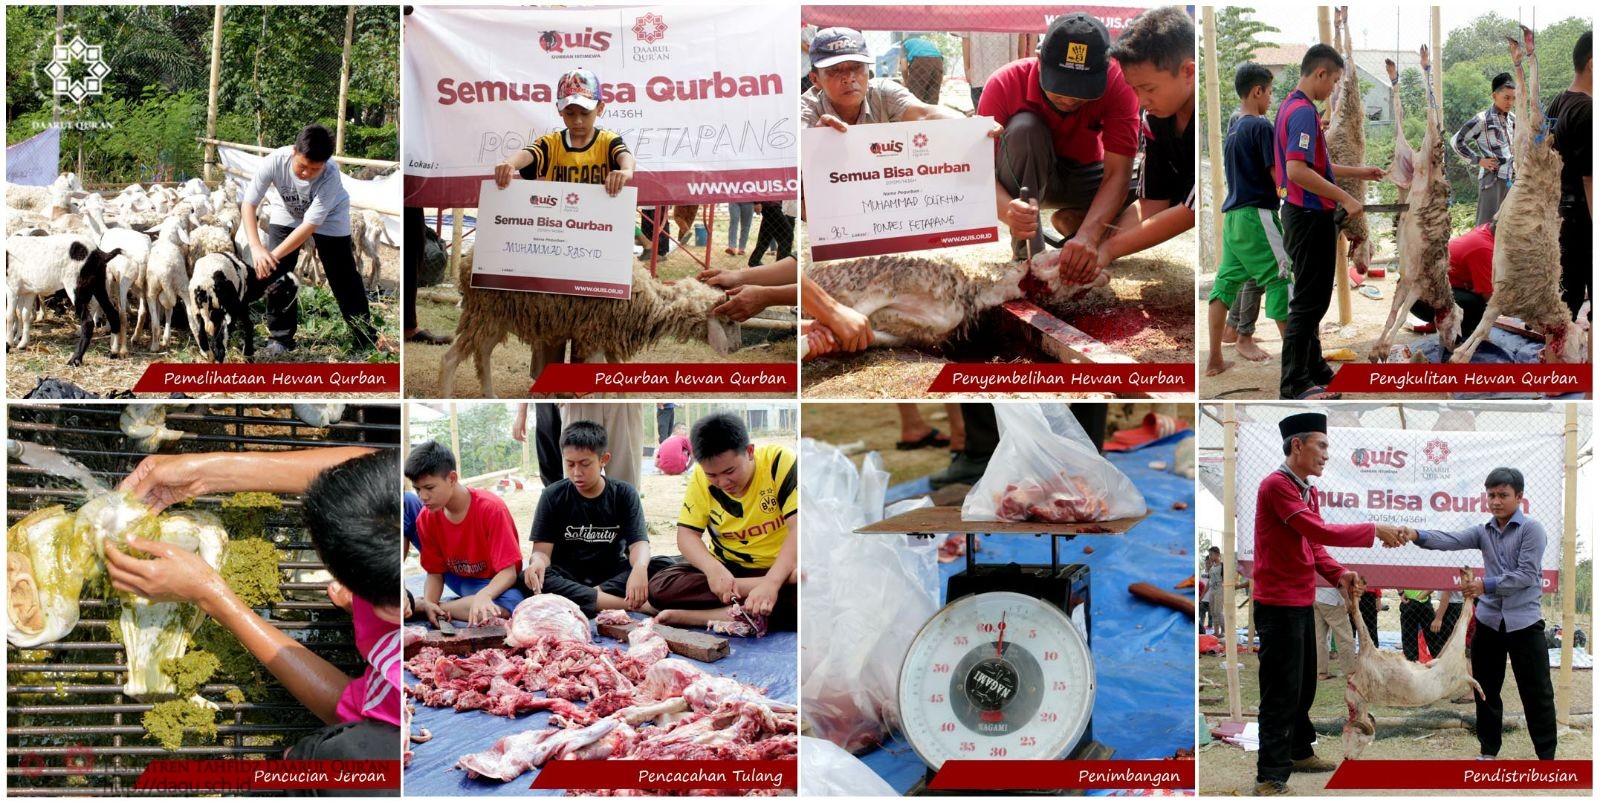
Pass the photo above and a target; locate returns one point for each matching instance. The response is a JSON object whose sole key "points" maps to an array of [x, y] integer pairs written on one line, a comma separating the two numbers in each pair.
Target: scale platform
{"points": [[947, 520]]}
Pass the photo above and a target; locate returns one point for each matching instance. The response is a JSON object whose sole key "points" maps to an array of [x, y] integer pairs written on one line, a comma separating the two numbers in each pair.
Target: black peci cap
{"points": [[1303, 423]]}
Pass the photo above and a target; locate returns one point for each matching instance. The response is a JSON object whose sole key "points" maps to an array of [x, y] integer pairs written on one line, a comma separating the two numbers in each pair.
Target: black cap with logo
{"points": [[1072, 56]]}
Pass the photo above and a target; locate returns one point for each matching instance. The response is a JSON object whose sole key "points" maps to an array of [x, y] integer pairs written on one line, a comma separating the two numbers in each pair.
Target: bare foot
{"points": [[1217, 366], [1230, 335], [693, 618], [1248, 349]]}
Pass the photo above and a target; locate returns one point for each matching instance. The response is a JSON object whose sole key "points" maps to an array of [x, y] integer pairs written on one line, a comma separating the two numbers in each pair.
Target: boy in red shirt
{"points": [[469, 542]]}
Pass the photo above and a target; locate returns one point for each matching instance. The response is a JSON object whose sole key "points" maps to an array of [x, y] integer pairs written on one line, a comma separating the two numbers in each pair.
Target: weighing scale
{"points": [[1004, 670]]}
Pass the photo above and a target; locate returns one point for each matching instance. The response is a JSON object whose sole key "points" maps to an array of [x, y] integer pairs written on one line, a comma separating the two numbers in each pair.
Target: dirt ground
{"points": [[661, 495], [437, 311], [319, 341], [1144, 313], [1226, 770]]}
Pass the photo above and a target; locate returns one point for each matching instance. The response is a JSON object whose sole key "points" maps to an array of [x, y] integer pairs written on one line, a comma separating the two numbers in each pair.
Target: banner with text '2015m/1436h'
{"points": [[704, 96]]}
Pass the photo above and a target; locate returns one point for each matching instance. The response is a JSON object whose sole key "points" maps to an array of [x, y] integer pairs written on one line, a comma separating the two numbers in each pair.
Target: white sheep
{"points": [[39, 266], [206, 240], [166, 278], [216, 296], [366, 232], [127, 271], [600, 329]]}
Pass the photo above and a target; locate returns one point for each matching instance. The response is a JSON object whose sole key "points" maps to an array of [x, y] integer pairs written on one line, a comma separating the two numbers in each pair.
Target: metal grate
{"points": [[73, 732]]}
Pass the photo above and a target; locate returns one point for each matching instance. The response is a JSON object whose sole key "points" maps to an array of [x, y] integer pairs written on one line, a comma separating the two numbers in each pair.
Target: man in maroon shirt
{"points": [[1290, 554], [1071, 134]]}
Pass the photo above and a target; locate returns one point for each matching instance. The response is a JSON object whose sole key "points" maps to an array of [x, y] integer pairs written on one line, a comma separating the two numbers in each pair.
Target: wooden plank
{"points": [[947, 520], [466, 640], [1068, 345], [696, 645]]}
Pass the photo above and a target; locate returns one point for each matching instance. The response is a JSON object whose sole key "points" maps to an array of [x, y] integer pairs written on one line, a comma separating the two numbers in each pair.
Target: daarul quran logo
{"points": [[60, 70]]}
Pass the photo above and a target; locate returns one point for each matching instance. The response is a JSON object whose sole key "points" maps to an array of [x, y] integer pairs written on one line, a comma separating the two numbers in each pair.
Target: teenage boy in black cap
{"points": [[1485, 140], [1289, 556], [1305, 176], [1071, 134]]}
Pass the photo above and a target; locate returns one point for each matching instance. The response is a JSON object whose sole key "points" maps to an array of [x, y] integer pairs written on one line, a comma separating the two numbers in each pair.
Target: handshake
{"points": [[1395, 536]]}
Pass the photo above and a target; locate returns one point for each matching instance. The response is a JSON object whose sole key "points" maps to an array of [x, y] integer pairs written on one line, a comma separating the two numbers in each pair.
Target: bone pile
{"points": [[605, 703], [1062, 498]]}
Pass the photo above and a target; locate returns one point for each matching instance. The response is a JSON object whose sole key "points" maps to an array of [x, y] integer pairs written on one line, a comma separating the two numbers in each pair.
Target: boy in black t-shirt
{"points": [[590, 542]]}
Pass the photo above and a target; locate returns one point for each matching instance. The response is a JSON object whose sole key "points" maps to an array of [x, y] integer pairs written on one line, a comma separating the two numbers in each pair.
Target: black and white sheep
{"points": [[216, 296], [600, 329], [39, 266]]}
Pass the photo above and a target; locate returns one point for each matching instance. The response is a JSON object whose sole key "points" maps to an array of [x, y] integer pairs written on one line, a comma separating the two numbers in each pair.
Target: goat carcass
{"points": [[1527, 272], [546, 616], [512, 756], [1347, 141], [1387, 678], [1423, 238]]}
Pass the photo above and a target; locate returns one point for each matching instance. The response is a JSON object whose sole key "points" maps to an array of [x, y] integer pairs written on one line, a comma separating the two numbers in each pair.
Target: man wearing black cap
{"points": [[1071, 134], [1290, 554], [1485, 140]]}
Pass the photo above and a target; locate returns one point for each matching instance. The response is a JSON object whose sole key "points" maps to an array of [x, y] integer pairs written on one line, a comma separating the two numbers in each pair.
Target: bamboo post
{"points": [[1434, 54], [1230, 569], [55, 99], [344, 79], [405, 433], [455, 243], [211, 95], [1569, 566], [1214, 125], [1341, 265], [455, 434]]}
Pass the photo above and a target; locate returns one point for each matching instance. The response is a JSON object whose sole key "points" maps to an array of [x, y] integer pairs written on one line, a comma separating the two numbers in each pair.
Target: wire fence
{"points": [[130, 85]]}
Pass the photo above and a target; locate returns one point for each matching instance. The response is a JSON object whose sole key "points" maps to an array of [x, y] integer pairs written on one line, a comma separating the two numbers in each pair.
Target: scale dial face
{"points": [[997, 675]]}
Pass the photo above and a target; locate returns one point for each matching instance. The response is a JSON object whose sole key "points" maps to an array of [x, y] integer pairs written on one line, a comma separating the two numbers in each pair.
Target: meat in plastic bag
{"points": [[828, 770], [1047, 470]]}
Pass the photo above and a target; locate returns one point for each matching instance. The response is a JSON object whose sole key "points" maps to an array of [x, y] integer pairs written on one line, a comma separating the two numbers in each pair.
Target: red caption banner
{"points": [[1175, 378], [293, 379], [1463, 774], [1555, 378], [1055, 774], [272, 774], [668, 378], [666, 774]]}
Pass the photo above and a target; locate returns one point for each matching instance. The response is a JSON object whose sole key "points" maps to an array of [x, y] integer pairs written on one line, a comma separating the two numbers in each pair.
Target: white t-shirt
{"points": [[1330, 596], [321, 201]]}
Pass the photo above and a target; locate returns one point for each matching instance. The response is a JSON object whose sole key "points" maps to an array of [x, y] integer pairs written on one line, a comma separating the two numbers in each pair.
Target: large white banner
{"points": [[1422, 479], [35, 160], [379, 194], [899, 187], [706, 97], [562, 238]]}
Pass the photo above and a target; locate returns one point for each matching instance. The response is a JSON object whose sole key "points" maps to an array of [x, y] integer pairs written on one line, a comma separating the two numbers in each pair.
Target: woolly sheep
{"points": [[601, 329], [216, 293], [126, 272], [166, 278], [367, 231], [39, 266]]}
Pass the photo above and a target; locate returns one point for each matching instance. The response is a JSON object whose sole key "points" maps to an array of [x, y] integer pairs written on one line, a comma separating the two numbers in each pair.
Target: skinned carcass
{"points": [[1387, 678], [920, 302], [546, 615], [1423, 237], [1527, 272], [1347, 141]]}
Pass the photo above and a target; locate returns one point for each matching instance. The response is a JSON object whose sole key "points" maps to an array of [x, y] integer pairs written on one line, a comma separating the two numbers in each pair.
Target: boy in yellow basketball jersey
{"points": [[581, 154]]}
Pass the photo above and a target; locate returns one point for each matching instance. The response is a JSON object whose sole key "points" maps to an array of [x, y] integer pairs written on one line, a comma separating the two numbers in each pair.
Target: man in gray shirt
{"points": [[1509, 624], [316, 207]]}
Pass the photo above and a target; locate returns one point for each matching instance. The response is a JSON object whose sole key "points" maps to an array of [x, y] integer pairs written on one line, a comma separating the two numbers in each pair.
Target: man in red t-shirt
{"points": [[1071, 133], [469, 542], [1290, 554], [1471, 276]]}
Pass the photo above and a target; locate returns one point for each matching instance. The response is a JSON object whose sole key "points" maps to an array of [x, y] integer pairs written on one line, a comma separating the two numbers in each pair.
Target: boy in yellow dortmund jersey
{"points": [[746, 497], [581, 154]]}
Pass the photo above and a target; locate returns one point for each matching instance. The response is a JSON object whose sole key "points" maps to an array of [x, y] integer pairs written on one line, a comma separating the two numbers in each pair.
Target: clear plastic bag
{"points": [[1047, 470], [865, 596], [828, 770]]}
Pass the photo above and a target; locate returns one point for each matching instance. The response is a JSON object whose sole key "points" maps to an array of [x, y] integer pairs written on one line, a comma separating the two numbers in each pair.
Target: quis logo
{"points": [[1388, 457], [590, 39], [542, 200], [885, 148]]}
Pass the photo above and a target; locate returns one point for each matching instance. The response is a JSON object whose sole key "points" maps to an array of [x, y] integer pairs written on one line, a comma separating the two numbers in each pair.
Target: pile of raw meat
{"points": [[1062, 498], [605, 703]]}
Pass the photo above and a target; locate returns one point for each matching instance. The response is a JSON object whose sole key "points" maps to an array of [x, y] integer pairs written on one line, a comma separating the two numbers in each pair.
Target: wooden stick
{"points": [[1150, 592]]}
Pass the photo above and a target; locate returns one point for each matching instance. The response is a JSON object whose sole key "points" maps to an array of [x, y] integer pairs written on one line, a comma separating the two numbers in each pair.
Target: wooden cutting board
{"points": [[696, 645], [947, 520], [466, 640]]}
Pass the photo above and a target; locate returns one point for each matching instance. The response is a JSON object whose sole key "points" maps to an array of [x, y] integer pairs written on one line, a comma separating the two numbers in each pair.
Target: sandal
{"points": [[1318, 394], [932, 440]]}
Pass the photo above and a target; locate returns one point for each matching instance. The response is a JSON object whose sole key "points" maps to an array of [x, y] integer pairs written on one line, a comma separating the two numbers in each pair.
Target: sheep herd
{"points": [[145, 247]]}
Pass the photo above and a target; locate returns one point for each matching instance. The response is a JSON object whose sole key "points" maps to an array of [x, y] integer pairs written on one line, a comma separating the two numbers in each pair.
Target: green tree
{"points": [[1237, 42]]}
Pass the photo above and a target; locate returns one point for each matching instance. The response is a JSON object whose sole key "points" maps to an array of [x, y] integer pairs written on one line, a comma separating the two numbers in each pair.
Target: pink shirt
{"points": [[375, 695], [672, 457]]}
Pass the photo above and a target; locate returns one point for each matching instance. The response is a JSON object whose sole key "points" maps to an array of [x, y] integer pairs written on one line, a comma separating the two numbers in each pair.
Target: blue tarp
{"points": [[1143, 653], [768, 662]]}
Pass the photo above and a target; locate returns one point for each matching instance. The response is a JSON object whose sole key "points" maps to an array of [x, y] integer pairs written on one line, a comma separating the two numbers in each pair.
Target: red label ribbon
{"points": [[1463, 774], [244, 775], [1064, 378], [659, 379], [1055, 774], [1551, 378], [667, 774], [259, 379]]}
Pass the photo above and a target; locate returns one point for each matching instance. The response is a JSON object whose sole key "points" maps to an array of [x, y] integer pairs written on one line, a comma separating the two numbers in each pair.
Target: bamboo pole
{"points": [[1341, 264], [455, 243], [55, 99], [211, 95], [1230, 569], [1569, 566], [1213, 128], [455, 433], [1434, 54], [344, 79]]}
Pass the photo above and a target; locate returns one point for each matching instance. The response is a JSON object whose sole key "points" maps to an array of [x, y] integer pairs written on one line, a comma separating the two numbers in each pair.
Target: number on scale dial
{"points": [[996, 675]]}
